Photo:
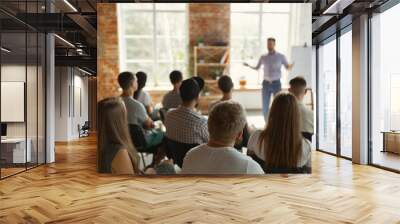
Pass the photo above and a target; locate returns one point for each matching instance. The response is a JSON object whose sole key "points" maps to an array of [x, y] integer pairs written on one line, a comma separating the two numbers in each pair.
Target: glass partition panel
{"points": [[14, 153], [346, 94], [327, 97], [385, 84]]}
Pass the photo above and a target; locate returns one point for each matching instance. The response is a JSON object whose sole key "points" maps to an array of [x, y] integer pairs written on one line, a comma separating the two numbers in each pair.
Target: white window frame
{"points": [[262, 41], [122, 37]]}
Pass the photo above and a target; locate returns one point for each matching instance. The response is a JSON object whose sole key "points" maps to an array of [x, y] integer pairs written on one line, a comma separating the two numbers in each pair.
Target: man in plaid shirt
{"points": [[184, 124]]}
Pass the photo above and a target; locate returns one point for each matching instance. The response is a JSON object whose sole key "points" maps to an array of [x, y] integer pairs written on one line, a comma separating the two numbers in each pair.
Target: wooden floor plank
{"points": [[70, 191]]}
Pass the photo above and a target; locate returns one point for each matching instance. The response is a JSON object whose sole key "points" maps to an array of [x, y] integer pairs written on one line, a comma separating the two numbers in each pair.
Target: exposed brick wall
{"points": [[107, 50], [211, 21]]}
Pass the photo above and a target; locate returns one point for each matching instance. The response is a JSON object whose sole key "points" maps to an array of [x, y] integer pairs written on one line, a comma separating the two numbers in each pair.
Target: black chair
{"points": [[177, 150], [261, 162], [163, 113], [139, 141], [84, 129]]}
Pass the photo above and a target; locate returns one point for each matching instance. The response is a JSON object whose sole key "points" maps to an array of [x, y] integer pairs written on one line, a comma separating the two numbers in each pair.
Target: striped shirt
{"points": [[186, 126]]}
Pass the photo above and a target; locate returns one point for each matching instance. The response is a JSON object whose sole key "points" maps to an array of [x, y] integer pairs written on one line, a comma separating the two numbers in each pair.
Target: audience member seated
{"points": [[200, 81], [143, 96], [172, 99], [280, 147], [225, 125], [225, 84], [115, 151], [183, 124], [136, 112], [298, 89]]}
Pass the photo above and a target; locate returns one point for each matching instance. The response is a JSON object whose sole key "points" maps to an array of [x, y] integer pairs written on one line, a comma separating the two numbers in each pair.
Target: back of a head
{"points": [[125, 80], [175, 77], [141, 79], [200, 81], [189, 90], [113, 126], [282, 137], [298, 85], [225, 84], [226, 120]]}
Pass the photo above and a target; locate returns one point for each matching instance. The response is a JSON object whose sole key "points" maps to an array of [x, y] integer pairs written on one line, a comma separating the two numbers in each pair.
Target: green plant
{"points": [[200, 40]]}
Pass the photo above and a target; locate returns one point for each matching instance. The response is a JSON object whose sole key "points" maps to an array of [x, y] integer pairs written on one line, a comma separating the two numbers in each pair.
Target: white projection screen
{"points": [[12, 101]]}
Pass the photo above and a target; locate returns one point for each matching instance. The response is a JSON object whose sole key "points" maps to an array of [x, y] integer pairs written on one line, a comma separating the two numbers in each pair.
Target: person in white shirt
{"points": [[225, 125], [280, 147], [298, 89]]}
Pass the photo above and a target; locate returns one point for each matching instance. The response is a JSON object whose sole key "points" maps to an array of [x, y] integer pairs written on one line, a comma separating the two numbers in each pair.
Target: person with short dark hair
{"points": [[184, 124], [200, 81], [173, 99], [136, 112], [298, 87], [225, 84], [225, 124], [141, 95], [272, 63]]}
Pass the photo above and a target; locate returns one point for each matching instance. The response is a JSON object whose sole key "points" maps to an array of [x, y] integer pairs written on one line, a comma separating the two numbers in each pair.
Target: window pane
{"points": [[243, 24], [327, 97], [271, 28], [171, 6], [171, 24], [246, 48], [245, 7], [138, 6], [171, 49], [142, 66], [138, 23], [167, 36], [139, 48], [346, 94], [385, 114], [276, 7]]}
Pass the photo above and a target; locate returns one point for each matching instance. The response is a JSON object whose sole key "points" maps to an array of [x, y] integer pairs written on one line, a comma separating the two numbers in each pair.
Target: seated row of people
{"points": [[279, 148]]}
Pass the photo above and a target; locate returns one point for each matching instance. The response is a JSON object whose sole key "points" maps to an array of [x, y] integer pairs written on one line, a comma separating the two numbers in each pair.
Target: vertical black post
{"points": [[26, 86], [317, 96], [369, 90], [338, 98]]}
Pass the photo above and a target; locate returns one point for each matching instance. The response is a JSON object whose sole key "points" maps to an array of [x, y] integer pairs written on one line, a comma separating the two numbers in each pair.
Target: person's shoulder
{"points": [[196, 150], [306, 144]]}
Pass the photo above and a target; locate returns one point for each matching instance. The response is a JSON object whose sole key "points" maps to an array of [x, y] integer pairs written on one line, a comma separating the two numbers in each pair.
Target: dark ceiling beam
{"points": [[77, 61], [84, 24]]}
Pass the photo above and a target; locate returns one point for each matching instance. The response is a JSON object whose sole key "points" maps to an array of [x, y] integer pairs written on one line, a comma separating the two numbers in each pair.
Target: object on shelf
{"points": [[200, 41], [242, 82]]}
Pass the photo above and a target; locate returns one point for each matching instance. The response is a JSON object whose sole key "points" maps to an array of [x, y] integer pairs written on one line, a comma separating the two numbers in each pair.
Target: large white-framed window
{"points": [[385, 88], [153, 38], [251, 24]]}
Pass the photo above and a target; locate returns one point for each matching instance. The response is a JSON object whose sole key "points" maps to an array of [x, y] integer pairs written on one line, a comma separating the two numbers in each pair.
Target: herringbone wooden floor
{"points": [[70, 191]]}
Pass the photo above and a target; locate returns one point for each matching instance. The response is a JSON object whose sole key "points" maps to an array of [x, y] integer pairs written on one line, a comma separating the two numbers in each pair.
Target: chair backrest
{"points": [[163, 113], [178, 150], [86, 125], [303, 169], [137, 136]]}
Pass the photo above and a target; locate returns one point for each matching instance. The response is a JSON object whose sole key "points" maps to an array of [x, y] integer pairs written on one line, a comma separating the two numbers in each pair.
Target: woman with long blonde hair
{"points": [[280, 146], [115, 151]]}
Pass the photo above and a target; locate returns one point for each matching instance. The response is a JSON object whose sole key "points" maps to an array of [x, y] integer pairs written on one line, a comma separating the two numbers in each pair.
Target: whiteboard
{"points": [[12, 101], [301, 57]]}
